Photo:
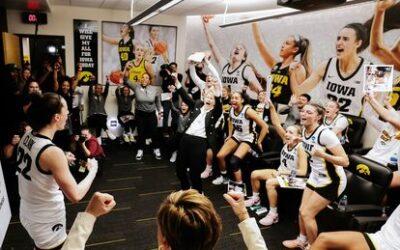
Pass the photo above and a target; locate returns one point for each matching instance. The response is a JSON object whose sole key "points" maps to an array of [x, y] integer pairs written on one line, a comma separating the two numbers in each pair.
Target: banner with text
{"points": [[85, 42]]}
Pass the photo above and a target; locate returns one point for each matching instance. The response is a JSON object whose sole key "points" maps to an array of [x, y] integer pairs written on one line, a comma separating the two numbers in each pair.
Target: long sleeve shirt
{"points": [[147, 98]]}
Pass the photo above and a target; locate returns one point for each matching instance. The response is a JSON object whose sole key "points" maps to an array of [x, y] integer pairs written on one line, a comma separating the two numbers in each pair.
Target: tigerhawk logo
{"points": [[56, 227], [363, 169]]}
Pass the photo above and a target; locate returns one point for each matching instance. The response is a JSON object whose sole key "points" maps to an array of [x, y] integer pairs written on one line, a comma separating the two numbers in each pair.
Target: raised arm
{"points": [[110, 40], [266, 55], [276, 121], [216, 52], [150, 71], [378, 47], [105, 92], [385, 114], [310, 83], [53, 160], [196, 79], [250, 76], [184, 95]]}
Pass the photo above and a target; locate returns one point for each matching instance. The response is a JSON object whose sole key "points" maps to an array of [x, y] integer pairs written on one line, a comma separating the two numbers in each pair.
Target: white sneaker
{"points": [[131, 138], [148, 141], [110, 135], [126, 138], [173, 157], [220, 180], [296, 243], [157, 153], [253, 201], [206, 173], [139, 154], [270, 219], [238, 189]]}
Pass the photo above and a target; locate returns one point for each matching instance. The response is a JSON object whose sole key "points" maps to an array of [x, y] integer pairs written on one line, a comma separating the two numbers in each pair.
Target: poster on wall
{"points": [[136, 50], [85, 43], [5, 212], [378, 78]]}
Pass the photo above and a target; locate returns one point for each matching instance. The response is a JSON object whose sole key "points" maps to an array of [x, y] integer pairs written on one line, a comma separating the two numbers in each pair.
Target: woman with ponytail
{"points": [[281, 71]]}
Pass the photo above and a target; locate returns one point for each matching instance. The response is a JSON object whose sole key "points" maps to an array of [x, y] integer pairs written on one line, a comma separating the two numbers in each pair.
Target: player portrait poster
{"points": [[378, 78], [85, 43], [119, 42]]}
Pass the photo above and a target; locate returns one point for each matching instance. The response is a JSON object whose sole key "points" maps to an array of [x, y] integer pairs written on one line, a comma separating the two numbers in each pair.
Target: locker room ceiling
{"points": [[187, 7]]}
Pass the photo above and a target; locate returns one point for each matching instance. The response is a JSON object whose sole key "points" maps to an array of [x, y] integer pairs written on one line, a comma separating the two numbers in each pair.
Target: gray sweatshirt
{"points": [[147, 98]]}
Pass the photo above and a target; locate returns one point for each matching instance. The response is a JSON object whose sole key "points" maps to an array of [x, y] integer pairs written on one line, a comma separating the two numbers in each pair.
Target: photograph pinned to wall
{"points": [[121, 44], [378, 78], [85, 43]]}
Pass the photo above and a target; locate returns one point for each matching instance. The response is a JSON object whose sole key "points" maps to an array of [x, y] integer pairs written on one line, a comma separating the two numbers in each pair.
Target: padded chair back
{"points": [[367, 181], [272, 142], [355, 131]]}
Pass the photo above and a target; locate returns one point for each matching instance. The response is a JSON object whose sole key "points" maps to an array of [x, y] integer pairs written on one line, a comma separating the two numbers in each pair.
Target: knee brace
{"points": [[235, 163]]}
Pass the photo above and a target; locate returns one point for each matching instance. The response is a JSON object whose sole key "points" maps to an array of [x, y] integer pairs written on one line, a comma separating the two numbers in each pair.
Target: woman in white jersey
{"points": [[45, 175], [341, 76], [335, 121], [386, 238], [292, 158], [327, 180], [241, 138], [281, 89], [391, 116], [235, 72]]}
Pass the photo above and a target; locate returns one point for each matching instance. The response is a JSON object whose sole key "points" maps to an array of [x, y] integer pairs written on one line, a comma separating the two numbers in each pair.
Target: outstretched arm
{"points": [[385, 114], [150, 71], [196, 79], [266, 54], [217, 54], [378, 47], [110, 40], [276, 121], [310, 83]]}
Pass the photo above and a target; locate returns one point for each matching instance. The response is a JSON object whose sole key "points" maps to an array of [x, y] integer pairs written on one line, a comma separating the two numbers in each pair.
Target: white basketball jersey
{"points": [[234, 78], [319, 167], [347, 91], [338, 118], [385, 146], [389, 235], [156, 62], [241, 124], [289, 159], [41, 198]]}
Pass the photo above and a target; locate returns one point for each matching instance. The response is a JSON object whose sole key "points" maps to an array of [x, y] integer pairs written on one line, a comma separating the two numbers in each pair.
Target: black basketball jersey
{"points": [[280, 89], [126, 52]]}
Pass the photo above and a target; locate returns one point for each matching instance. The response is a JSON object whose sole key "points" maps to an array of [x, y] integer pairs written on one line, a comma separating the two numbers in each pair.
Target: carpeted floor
{"points": [[139, 188]]}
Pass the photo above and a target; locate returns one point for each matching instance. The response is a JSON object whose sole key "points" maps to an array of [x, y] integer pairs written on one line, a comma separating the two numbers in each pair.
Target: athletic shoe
{"points": [[296, 243], [110, 135], [126, 138], [139, 154], [157, 154], [173, 157], [270, 219], [131, 138], [148, 141], [220, 180], [206, 173], [253, 201]]}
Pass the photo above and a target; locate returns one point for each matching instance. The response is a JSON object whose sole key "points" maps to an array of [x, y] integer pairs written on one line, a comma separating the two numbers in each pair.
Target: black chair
{"points": [[355, 133], [367, 185]]}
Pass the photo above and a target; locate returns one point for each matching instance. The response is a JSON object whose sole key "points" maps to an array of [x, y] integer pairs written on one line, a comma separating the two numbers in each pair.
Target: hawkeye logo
{"points": [[56, 227], [85, 76], [363, 169]]}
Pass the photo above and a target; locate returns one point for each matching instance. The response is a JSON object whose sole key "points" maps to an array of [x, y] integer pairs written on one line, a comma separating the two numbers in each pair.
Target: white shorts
{"points": [[46, 235], [377, 242], [249, 138]]}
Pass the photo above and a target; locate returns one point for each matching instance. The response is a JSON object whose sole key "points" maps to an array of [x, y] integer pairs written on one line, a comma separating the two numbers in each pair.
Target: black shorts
{"points": [[369, 241], [329, 192]]}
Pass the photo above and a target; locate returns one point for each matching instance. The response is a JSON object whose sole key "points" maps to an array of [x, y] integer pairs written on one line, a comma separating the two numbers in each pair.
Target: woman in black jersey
{"points": [[280, 70], [126, 46]]}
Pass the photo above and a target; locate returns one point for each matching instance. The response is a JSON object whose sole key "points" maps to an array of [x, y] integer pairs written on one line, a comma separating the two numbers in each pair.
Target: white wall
{"points": [[60, 23]]}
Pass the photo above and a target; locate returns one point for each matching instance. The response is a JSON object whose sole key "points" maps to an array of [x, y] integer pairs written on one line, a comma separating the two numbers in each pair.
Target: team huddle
{"points": [[223, 115]]}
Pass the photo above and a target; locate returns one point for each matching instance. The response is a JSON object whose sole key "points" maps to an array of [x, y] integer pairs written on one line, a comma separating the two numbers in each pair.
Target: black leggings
{"points": [[98, 122], [129, 125], [146, 128], [192, 154]]}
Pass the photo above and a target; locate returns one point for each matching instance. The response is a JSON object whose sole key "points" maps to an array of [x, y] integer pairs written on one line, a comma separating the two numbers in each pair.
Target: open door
{"points": [[12, 49]]}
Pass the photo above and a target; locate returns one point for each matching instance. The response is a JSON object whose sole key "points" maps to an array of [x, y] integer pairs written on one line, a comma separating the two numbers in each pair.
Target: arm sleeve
{"points": [[91, 146], [252, 235], [213, 71], [328, 139], [196, 79], [80, 232]]}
